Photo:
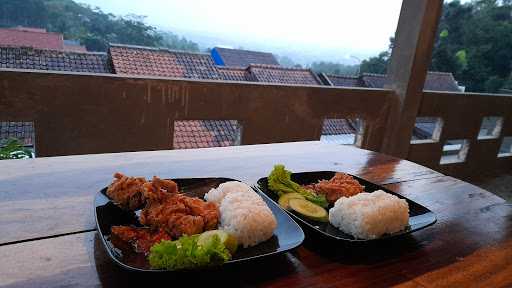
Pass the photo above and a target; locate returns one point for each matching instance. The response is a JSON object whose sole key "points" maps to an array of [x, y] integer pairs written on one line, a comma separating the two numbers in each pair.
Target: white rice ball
{"points": [[370, 215], [243, 213], [217, 194]]}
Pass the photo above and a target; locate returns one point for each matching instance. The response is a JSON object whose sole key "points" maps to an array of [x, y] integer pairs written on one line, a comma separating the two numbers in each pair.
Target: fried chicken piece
{"points": [[340, 185], [138, 239], [127, 192], [176, 213]]}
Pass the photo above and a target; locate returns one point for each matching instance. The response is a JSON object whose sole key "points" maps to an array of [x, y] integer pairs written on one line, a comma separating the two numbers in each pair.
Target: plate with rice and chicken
{"points": [[188, 224], [344, 207]]}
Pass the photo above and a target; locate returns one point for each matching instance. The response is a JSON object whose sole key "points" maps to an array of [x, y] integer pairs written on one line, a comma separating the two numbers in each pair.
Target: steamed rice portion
{"points": [[370, 215], [243, 213]]}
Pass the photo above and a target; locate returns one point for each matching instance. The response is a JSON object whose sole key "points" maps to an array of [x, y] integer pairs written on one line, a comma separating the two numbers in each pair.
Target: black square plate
{"points": [[287, 235], [419, 216]]}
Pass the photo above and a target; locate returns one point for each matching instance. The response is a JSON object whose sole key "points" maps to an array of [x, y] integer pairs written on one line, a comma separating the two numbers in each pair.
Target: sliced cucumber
{"points": [[225, 238], [308, 209], [285, 199]]}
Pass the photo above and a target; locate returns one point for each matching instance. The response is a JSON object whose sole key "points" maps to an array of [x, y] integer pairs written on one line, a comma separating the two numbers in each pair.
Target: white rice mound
{"points": [[243, 213], [370, 215], [216, 195]]}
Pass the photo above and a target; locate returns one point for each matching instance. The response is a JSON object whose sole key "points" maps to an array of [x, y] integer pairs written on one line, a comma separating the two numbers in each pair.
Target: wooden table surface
{"points": [[48, 235]]}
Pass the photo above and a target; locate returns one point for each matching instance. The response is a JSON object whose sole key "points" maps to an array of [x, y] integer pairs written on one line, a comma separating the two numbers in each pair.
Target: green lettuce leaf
{"points": [[280, 182], [185, 253]]}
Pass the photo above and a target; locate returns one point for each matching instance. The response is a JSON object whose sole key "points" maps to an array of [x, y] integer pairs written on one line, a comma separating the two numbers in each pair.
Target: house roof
{"points": [[344, 80], [436, 81], [31, 37], [42, 59], [242, 58], [338, 127], [233, 73], [138, 60], [278, 74], [23, 131], [202, 134]]}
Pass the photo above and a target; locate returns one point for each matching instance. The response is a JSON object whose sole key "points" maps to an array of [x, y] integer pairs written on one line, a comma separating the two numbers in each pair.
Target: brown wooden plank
{"points": [[85, 113], [462, 115], [471, 245], [49, 196], [414, 40]]}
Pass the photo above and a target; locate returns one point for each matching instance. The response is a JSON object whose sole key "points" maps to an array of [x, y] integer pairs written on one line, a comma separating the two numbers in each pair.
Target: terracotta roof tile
{"points": [[338, 126], [137, 60], [35, 38], [436, 81], [23, 131], [233, 73], [202, 134], [42, 59], [277, 74]]}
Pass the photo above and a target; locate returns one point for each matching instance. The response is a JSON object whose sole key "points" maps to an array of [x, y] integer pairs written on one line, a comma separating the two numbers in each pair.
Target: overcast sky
{"points": [[358, 27]]}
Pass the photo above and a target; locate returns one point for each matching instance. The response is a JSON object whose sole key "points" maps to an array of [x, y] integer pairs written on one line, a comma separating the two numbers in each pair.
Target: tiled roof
{"points": [[138, 60], [345, 81], [42, 59], [441, 81], [436, 81], [233, 73], [202, 134], [277, 74], [23, 131], [371, 80], [242, 58], [338, 127], [31, 37]]}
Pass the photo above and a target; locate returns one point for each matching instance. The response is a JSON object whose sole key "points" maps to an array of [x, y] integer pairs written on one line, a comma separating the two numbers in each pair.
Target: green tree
{"points": [[91, 26], [334, 68], [377, 64], [13, 149]]}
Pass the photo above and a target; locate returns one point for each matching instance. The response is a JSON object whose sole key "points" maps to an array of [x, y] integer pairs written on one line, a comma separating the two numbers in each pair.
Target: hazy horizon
{"points": [[341, 31]]}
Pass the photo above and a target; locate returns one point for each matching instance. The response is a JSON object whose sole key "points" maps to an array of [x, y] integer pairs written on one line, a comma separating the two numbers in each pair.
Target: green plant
{"points": [[12, 148]]}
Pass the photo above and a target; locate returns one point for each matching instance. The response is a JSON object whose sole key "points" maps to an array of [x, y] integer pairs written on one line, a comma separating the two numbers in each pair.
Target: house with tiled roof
{"points": [[54, 60], [241, 58], [138, 60], [37, 38], [435, 81]]}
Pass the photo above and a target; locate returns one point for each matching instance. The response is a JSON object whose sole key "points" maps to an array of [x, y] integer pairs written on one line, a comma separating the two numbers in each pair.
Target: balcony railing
{"points": [[87, 113]]}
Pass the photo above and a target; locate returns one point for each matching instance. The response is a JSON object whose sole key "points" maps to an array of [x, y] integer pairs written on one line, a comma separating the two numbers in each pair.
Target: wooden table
{"points": [[48, 235]]}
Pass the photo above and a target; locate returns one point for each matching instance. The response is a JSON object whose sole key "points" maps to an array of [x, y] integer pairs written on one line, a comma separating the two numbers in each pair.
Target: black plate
{"points": [[287, 235], [419, 216]]}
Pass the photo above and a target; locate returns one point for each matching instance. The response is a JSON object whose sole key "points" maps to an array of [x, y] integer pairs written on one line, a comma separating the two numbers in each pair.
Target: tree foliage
{"points": [[474, 43], [13, 149], [334, 68], [91, 26]]}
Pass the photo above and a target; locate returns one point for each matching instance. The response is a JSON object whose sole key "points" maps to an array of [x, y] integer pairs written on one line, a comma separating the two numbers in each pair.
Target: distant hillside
{"points": [[91, 26]]}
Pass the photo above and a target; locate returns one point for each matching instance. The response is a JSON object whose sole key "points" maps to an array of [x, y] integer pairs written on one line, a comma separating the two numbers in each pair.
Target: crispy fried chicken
{"points": [[127, 192], [340, 185], [177, 214], [138, 239]]}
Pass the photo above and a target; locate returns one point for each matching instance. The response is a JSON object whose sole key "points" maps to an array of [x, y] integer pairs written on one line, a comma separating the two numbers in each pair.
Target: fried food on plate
{"points": [[138, 239], [127, 192], [340, 185], [177, 214]]}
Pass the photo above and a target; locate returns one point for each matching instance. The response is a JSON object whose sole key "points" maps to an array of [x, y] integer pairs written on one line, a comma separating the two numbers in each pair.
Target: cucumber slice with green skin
{"points": [[285, 199], [308, 209], [227, 239]]}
